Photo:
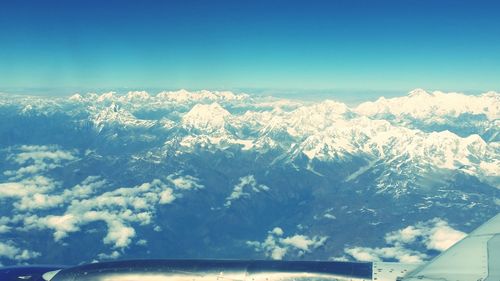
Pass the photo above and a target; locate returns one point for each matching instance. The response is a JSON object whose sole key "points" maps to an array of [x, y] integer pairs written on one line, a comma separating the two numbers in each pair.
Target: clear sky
{"points": [[303, 45]]}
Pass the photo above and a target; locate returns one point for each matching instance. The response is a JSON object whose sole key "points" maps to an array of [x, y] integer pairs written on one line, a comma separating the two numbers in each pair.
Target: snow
{"points": [[385, 130], [327, 130], [115, 114], [360, 171], [420, 104], [208, 118], [385, 135]]}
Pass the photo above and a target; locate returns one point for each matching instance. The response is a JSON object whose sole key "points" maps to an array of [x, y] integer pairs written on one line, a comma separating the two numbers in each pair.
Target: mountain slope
{"points": [[217, 174]]}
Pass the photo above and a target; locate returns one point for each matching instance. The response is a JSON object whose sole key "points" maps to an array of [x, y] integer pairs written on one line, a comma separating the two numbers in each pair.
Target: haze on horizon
{"points": [[350, 47]]}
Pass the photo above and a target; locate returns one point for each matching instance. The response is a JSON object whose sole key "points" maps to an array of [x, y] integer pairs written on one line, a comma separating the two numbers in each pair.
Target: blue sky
{"points": [[305, 46]]}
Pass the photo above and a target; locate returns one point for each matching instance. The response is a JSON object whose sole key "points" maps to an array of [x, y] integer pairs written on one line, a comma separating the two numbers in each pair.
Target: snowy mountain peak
{"points": [[492, 94], [178, 96], [112, 112], [106, 96], [198, 96], [330, 107], [76, 98], [206, 117], [434, 107], [418, 93], [137, 95], [207, 110], [115, 114]]}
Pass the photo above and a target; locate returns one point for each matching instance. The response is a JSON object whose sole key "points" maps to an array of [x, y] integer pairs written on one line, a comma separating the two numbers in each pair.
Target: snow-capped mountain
{"points": [[462, 114], [114, 115], [211, 174], [206, 118], [420, 104]]}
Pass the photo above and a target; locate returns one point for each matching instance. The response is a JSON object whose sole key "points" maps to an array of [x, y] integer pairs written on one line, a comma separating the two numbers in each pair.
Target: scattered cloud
{"points": [[167, 196], [435, 234], [119, 209], [26, 187], [111, 256], [242, 189], [379, 254], [329, 216], [36, 159], [184, 182], [303, 242], [275, 246], [9, 250], [4, 229], [142, 242], [341, 258], [442, 236], [66, 210]]}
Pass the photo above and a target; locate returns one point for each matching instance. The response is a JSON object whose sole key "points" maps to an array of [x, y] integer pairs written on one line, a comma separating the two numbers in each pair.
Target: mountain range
{"points": [[215, 174]]}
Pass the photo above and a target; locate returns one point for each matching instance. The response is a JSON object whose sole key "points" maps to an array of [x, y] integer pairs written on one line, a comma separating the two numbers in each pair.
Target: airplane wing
{"points": [[474, 258]]}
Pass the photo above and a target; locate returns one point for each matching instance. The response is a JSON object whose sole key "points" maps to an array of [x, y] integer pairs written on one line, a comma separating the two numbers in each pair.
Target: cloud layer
{"points": [[245, 186], [41, 203], [435, 234], [276, 246]]}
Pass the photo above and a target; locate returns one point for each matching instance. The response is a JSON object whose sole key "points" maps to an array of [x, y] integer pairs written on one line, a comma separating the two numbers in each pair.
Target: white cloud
{"points": [[242, 189], [39, 201], [405, 235], [119, 209], [26, 187], [435, 234], [184, 182], [276, 247], [277, 231], [12, 189], [142, 242], [442, 236], [303, 242], [329, 216], [119, 234], [362, 254], [112, 256], [378, 254], [4, 228], [167, 196], [10, 251], [278, 253], [86, 188], [37, 153], [37, 192], [36, 159], [341, 258], [61, 224]]}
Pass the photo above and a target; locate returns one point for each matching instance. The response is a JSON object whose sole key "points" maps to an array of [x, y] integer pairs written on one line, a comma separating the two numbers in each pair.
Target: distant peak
{"points": [[207, 117], [141, 95], [114, 107], [209, 109], [418, 93], [76, 97], [106, 96]]}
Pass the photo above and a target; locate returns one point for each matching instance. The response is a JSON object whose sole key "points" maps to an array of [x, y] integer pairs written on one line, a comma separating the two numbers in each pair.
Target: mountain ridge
{"points": [[182, 174]]}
